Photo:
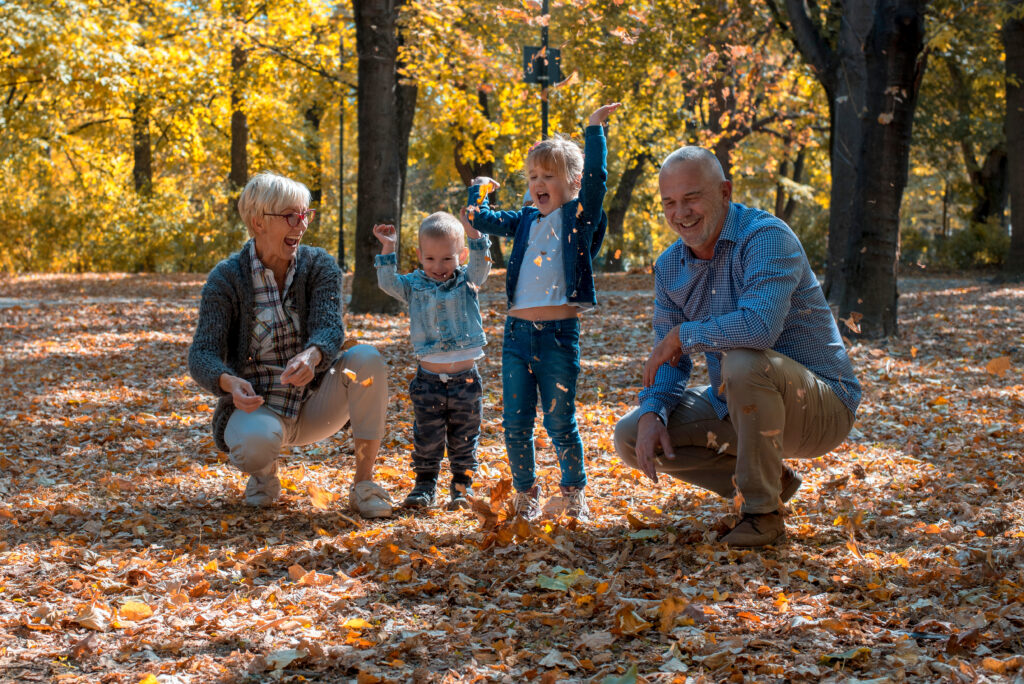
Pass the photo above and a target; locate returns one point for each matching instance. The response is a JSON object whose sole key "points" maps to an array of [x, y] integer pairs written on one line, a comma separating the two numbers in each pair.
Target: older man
{"points": [[737, 287]]}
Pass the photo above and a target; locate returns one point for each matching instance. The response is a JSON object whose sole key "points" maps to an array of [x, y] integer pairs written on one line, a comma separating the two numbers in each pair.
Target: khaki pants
{"points": [[777, 409], [255, 439]]}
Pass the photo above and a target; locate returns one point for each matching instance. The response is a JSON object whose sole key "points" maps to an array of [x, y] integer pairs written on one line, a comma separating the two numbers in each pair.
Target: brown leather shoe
{"points": [[790, 483], [757, 529]]}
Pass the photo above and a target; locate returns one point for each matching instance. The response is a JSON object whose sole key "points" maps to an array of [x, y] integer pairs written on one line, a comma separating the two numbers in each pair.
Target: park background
{"points": [[888, 133]]}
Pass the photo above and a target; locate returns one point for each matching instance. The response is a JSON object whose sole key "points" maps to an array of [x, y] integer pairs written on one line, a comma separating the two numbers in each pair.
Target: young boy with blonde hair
{"points": [[447, 334]]}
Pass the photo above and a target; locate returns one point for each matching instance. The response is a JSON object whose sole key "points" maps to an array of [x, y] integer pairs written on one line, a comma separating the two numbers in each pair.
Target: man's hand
{"points": [[471, 232], [242, 393], [301, 368], [602, 113], [668, 350], [651, 434], [388, 236]]}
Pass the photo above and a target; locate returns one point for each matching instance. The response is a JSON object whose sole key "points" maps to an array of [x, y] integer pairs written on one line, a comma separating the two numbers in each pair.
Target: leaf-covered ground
{"points": [[127, 554]]}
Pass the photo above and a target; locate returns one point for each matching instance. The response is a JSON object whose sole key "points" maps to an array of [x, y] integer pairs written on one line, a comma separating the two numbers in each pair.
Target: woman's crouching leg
{"points": [[254, 442]]}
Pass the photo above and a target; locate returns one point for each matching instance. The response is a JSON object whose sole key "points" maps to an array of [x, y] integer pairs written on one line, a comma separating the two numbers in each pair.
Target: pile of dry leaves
{"points": [[127, 554]]}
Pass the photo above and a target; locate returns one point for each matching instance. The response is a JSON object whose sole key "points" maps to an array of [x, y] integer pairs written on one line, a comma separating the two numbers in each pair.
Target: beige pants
{"points": [[777, 409], [255, 439]]}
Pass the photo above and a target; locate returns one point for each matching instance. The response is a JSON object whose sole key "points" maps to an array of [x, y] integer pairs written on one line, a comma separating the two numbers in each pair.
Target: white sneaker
{"points": [[369, 500], [263, 487], [527, 504], [576, 503]]}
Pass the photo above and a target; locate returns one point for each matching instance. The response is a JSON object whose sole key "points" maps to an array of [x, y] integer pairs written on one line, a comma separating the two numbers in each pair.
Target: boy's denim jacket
{"points": [[443, 317], [583, 225]]}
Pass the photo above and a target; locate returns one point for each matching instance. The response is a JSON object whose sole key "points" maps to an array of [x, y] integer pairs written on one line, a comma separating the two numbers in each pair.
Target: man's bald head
{"points": [[703, 157], [695, 197]]}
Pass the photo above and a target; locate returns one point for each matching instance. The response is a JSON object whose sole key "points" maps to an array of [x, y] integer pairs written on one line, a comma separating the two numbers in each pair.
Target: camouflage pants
{"points": [[447, 411]]}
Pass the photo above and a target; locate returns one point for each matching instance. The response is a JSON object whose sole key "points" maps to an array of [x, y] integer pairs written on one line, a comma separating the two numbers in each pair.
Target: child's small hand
{"points": [[467, 222], [486, 180], [388, 236], [601, 115]]}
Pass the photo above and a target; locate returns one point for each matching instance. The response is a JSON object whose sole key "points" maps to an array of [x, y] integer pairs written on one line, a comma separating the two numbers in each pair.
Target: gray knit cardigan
{"points": [[226, 318]]}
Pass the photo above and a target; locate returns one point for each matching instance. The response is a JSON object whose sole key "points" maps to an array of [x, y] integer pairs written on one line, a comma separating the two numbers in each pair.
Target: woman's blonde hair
{"points": [[269, 193], [559, 155]]}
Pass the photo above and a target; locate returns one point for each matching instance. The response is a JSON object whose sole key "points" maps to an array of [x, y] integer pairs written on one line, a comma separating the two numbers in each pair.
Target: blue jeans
{"points": [[542, 356], [447, 411]]}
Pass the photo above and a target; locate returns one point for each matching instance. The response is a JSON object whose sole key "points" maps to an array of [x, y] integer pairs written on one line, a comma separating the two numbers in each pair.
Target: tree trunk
{"points": [[142, 148], [785, 202], [379, 183], [469, 171], [315, 170], [341, 159], [872, 78], [239, 173], [1013, 44], [619, 206]]}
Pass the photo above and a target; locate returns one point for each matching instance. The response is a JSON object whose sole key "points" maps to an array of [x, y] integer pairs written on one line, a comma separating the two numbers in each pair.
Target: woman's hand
{"points": [[388, 236], [301, 368], [602, 113], [668, 351], [242, 393]]}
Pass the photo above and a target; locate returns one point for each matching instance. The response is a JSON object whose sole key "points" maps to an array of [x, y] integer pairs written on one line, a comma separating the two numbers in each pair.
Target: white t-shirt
{"points": [[454, 356], [542, 276]]}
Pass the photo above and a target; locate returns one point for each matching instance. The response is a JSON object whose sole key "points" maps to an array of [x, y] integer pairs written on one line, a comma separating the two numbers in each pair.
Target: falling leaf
{"points": [[572, 80], [367, 382], [998, 366], [885, 118], [539, 261], [320, 498], [350, 374], [853, 322]]}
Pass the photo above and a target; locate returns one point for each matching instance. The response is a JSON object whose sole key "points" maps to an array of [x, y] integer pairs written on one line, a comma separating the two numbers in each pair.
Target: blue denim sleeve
{"points": [[771, 263], [479, 260], [388, 278], [485, 220], [670, 381], [595, 176]]}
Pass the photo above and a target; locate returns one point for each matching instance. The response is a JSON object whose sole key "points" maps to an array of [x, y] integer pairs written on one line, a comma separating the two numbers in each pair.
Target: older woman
{"points": [[268, 343]]}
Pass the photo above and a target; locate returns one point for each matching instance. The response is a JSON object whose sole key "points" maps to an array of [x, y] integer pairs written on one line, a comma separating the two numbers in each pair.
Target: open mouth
{"points": [[542, 198], [292, 242]]}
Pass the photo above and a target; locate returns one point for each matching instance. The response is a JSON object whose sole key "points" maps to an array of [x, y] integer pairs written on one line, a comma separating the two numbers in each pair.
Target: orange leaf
{"points": [[320, 498], [135, 610], [998, 366]]}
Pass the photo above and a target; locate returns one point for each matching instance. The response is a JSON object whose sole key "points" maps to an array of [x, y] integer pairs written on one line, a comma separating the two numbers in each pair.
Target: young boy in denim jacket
{"points": [[448, 337]]}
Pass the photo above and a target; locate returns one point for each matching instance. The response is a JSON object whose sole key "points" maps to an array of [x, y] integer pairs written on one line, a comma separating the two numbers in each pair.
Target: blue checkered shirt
{"points": [[275, 339], [756, 292]]}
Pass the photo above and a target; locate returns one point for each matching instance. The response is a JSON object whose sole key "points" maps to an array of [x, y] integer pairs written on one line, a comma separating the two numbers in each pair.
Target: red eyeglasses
{"points": [[295, 218]]}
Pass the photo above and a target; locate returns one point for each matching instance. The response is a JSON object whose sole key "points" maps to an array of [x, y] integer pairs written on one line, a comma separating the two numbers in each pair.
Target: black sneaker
{"points": [[459, 492], [423, 495]]}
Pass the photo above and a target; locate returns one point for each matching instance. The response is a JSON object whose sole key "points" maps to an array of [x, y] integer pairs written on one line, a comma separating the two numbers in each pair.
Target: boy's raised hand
{"points": [[602, 113], [388, 236], [471, 232]]}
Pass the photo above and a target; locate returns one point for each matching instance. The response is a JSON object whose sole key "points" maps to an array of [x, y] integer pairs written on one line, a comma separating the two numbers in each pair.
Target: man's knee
{"points": [[625, 438], [255, 452], [740, 364]]}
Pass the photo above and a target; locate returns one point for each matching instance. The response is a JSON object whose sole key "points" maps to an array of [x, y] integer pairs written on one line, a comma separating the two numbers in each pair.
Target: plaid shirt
{"points": [[756, 292], [275, 339]]}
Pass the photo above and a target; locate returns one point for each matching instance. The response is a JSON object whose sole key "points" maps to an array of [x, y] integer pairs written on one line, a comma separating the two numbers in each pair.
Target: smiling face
{"points": [[439, 256], [276, 242], [548, 190], [696, 202]]}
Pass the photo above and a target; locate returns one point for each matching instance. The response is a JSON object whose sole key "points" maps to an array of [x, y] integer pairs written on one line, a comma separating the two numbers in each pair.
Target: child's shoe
{"points": [[424, 494], [576, 503], [459, 491], [527, 504]]}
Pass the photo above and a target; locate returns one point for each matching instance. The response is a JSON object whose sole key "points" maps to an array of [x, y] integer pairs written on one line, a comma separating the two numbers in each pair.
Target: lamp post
{"points": [[542, 65]]}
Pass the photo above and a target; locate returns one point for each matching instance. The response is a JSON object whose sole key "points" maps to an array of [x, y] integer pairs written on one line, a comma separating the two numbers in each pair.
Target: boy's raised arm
{"points": [[479, 250], [386, 263]]}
